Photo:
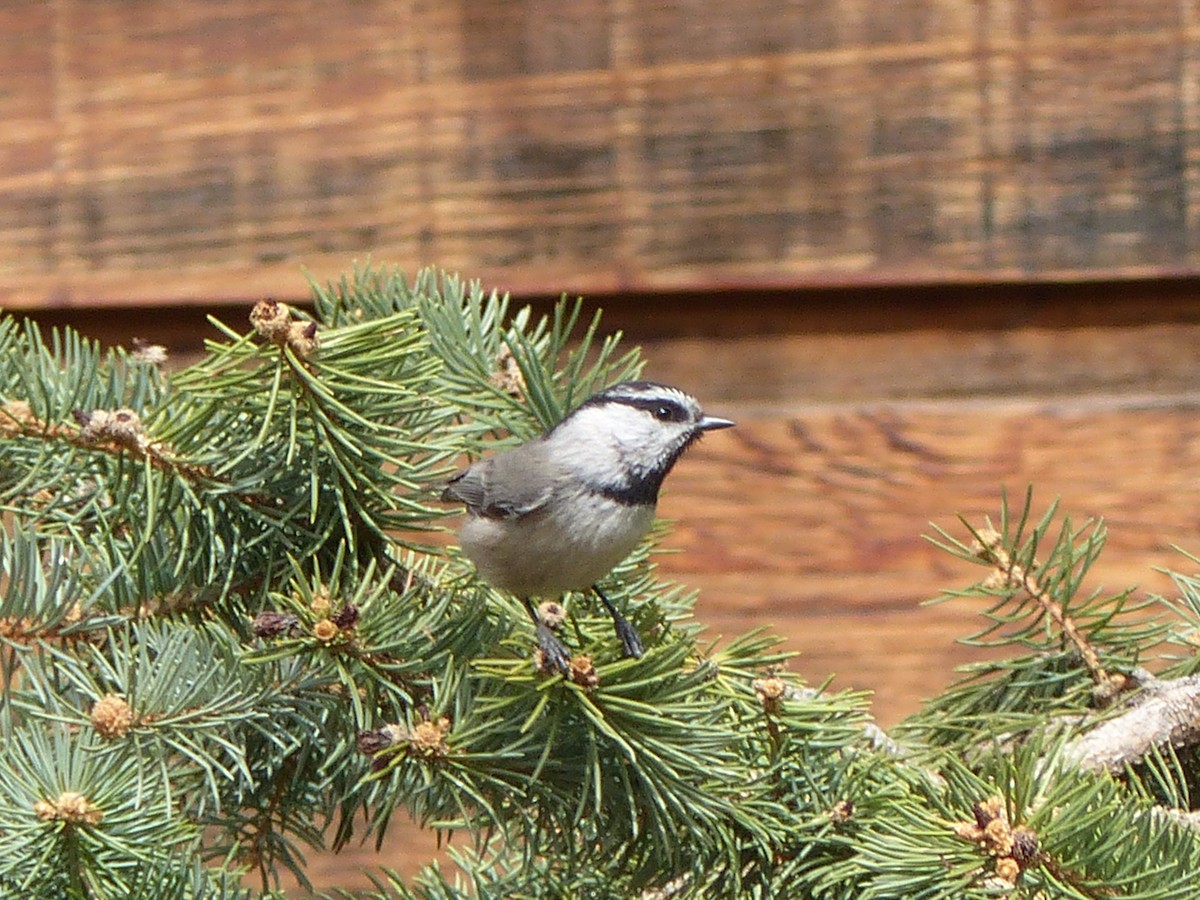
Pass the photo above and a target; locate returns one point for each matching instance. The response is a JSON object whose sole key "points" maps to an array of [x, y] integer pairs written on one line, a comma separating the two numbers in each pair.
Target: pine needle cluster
{"points": [[231, 633]]}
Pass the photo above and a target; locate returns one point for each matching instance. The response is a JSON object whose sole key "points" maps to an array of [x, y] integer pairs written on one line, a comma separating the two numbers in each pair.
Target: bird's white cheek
{"points": [[596, 444]]}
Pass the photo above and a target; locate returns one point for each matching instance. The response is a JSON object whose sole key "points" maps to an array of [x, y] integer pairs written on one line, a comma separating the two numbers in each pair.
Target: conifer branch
{"points": [[1166, 713], [1009, 575]]}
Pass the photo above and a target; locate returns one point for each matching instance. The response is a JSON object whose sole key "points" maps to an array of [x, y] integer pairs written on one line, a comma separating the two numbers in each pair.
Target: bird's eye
{"points": [[663, 410]]}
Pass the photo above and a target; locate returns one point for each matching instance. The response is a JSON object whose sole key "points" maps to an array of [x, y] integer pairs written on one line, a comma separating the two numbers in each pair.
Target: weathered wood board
{"points": [[812, 522], [182, 151]]}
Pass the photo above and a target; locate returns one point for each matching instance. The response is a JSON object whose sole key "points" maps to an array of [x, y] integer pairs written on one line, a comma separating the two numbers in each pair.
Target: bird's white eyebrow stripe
{"points": [[639, 394]]}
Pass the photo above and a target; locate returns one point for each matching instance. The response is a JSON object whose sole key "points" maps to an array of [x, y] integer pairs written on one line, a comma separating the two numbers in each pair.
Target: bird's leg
{"points": [[630, 642], [555, 655], [578, 631]]}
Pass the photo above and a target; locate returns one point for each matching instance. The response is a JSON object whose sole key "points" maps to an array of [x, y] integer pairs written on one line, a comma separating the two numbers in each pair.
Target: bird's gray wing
{"points": [[505, 486]]}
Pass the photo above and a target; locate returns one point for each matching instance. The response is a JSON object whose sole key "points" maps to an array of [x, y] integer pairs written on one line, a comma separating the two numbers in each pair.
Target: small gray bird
{"points": [[560, 511]]}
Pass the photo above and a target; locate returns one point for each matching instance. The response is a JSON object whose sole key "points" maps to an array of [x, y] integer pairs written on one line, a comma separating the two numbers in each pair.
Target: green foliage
{"points": [[229, 635], [1034, 587]]}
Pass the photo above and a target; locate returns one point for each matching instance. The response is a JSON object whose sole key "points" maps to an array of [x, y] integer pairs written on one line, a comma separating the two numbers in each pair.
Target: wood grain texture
{"points": [[812, 522], [171, 151]]}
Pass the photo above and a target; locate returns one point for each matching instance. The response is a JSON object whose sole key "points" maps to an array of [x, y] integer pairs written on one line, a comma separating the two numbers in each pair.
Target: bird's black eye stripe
{"points": [[663, 410]]}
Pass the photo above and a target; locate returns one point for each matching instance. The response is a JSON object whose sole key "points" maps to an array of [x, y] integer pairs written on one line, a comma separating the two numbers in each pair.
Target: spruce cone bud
{"points": [[583, 672], [272, 320], [325, 631], [71, 807], [302, 338], [507, 376], [997, 835], [989, 544], [428, 738], [121, 426], [770, 692], [1025, 845], [112, 717], [552, 614], [148, 354], [987, 810], [843, 811], [320, 604], [372, 742], [1007, 869]]}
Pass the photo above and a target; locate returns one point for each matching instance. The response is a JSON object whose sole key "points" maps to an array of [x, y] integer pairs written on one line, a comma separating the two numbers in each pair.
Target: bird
{"points": [[559, 512]]}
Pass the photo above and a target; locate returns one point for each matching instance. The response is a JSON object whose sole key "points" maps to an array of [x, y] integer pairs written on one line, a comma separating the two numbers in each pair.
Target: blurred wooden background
{"points": [[921, 251]]}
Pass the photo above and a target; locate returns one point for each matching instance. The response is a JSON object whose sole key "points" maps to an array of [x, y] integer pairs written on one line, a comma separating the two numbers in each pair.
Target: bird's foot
{"points": [[631, 642], [555, 657]]}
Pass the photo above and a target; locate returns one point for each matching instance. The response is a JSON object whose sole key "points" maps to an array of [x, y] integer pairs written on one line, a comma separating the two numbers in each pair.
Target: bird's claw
{"points": [[631, 642], [555, 655]]}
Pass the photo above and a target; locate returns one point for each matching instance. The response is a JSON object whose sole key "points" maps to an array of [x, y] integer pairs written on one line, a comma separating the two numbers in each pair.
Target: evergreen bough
{"points": [[229, 634]]}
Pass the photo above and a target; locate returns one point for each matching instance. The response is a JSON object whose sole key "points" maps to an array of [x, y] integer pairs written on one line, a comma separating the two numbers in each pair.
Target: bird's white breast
{"points": [[545, 554]]}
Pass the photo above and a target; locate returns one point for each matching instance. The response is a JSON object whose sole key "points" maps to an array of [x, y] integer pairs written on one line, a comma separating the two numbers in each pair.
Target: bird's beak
{"points": [[712, 423]]}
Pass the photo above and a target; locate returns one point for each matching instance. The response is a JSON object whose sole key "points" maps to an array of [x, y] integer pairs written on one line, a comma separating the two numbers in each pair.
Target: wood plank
{"points": [[812, 521], [177, 151], [860, 422], [882, 344]]}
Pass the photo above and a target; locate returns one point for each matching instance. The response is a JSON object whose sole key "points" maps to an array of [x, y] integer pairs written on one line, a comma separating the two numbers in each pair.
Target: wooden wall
{"points": [[183, 151]]}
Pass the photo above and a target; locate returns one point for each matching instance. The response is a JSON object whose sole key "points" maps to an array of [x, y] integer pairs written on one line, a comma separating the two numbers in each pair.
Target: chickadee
{"points": [[560, 511]]}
